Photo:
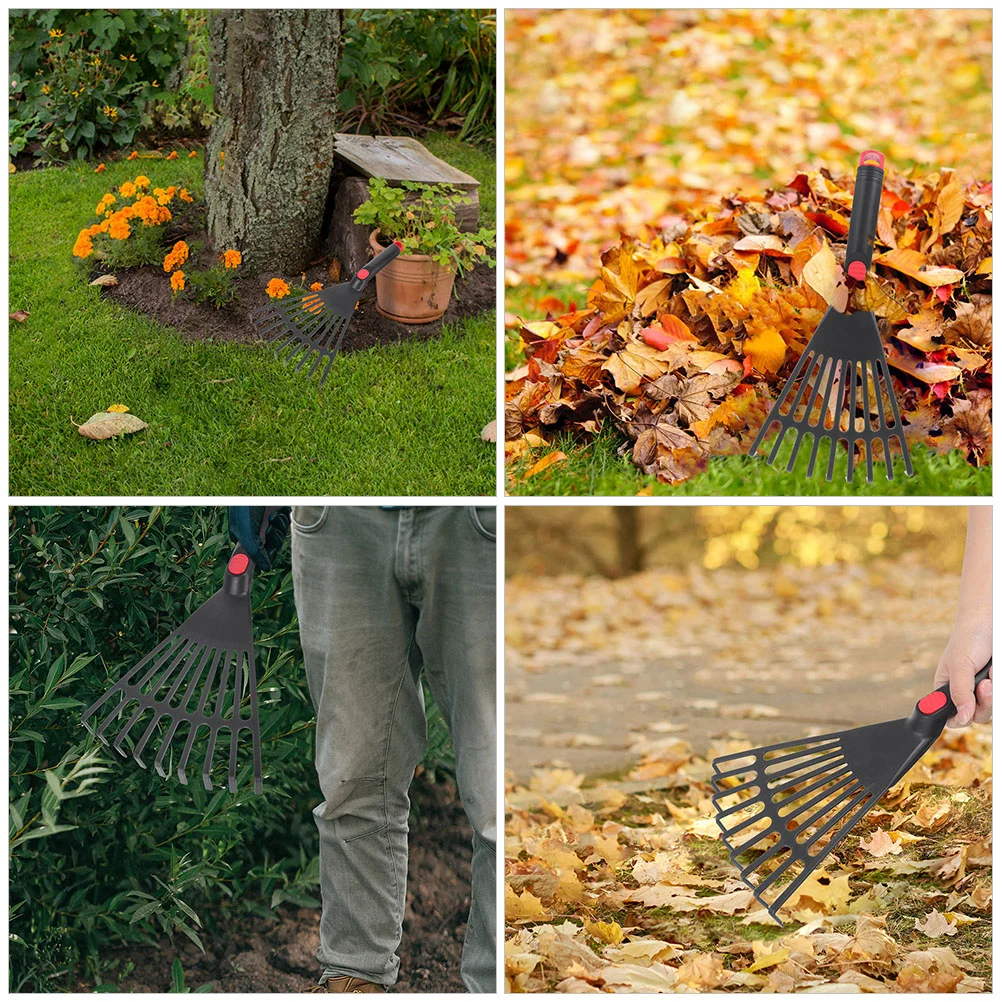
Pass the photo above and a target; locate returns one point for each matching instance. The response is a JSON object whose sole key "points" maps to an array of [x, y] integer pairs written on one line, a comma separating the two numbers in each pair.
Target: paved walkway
{"points": [[597, 668]]}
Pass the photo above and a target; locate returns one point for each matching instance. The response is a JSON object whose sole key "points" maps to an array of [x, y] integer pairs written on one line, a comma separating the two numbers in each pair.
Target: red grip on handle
{"points": [[362, 273], [932, 702], [857, 270], [869, 156], [238, 563], [400, 246]]}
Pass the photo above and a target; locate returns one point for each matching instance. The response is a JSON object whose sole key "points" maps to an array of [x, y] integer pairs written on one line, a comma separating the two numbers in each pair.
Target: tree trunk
{"points": [[630, 550], [270, 153]]}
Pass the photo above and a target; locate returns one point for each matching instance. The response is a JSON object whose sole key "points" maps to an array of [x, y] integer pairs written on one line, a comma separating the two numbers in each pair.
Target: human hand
{"points": [[245, 529], [968, 650]]}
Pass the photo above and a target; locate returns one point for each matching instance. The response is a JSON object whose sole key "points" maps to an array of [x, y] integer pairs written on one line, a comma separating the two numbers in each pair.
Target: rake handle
{"points": [[935, 708], [863, 221], [378, 263]]}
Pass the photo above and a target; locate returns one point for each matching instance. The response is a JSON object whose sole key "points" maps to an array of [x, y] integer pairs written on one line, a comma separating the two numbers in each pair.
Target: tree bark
{"points": [[270, 152]]}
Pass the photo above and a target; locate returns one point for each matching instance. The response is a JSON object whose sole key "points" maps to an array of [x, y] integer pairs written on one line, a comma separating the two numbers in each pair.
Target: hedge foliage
{"points": [[103, 852]]}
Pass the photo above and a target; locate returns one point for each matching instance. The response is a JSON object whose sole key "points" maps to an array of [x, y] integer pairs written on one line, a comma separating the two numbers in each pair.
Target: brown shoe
{"points": [[346, 983]]}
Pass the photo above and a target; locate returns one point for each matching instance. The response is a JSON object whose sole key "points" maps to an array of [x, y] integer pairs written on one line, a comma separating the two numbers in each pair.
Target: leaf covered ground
{"points": [[709, 200], [608, 891]]}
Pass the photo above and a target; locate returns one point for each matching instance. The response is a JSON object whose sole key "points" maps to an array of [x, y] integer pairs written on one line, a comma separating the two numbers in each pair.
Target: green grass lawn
{"points": [[593, 467], [224, 418]]}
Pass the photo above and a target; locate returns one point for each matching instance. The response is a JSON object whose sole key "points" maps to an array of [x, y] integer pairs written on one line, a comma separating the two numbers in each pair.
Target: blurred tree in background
{"points": [[103, 852], [613, 541]]}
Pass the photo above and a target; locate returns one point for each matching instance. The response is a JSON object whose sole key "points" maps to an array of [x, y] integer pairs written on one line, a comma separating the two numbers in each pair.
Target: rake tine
{"points": [[898, 427], [118, 687], [197, 725], [254, 727], [774, 413], [327, 371], [868, 420], [883, 424], [765, 856], [843, 780], [851, 441], [124, 732], [822, 741], [235, 718], [214, 728], [164, 748], [831, 777], [196, 664], [819, 771], [811, 755], [721, 793], [731, 832]]}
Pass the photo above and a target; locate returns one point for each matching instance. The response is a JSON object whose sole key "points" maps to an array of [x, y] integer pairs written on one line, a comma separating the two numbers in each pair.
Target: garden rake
{"points": [[805, 796], [315, 324], [842, 376], [210, 655]]}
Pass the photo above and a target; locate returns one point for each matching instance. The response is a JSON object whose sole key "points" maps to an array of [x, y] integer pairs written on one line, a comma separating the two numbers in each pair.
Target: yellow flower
{"points": [[177, 281], [156, 83], [55, 33], [106, 200], [317, 286], [142, 181], [46, 89], [172, 155], [127, 190], [184, 195], [277, 289], [118, 226], [232, 259], [134, 155]]}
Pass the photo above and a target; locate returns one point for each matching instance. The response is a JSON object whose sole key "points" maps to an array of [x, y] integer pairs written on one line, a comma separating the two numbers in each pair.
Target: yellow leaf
{"points": [[743, 286], [608, 932], [985, 268], [823, 275], [951, 205], [631, 365], [118, 409], [766, 350], [770, 960], [523, 907], [651, 296]]}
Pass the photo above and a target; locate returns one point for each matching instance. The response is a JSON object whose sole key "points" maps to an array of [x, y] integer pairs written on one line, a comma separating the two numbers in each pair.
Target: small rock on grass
{"points": [[106, 425]]}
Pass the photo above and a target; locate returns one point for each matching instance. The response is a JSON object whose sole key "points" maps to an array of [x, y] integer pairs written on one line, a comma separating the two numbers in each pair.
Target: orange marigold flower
{"points": [[172, 155], [177, 256], [142, 181], [185, 195], [118, 226], [232, 259], [317, 286], [100, 169], [277, 289], [134, 155], [83, 246], [177, 281], [127, 190], [193, 154]]}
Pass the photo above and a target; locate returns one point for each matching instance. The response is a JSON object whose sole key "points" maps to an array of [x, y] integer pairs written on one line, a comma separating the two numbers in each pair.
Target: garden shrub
{"points": [[185, 107], [402, 67], [80, 80], [101, 851]]}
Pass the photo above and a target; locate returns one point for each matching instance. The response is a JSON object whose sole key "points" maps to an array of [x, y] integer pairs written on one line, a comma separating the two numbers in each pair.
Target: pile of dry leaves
{"points": [[687, 336], [610, 891]]}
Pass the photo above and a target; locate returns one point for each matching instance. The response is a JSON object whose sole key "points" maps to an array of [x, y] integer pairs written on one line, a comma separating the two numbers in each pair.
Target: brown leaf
{"points": [[632, 365], [103, 425], [20, 316], [913, 264], [545, 463], [489, 432], [105, 280]]}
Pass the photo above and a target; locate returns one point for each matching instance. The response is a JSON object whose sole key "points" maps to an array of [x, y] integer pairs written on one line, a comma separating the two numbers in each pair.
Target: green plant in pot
{"points": [[416, 287]]}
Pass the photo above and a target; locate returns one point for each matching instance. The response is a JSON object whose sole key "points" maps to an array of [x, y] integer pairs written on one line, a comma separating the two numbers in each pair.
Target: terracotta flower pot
{"points": [[412, 288]]}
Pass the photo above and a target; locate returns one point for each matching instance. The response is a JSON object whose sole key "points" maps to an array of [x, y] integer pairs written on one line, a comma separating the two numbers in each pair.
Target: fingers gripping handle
{"points": [[865, 206], [380, 261], [935, 708]]}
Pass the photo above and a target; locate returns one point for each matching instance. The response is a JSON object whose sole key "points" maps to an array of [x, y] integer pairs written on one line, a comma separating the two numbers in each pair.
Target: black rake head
{"points": [[839, 392], [307, 326], [202, 678], [783, 808]]}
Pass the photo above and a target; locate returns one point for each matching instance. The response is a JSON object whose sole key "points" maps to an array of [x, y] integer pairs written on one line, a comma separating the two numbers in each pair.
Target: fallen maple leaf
{"points": [[104, 425], [545, 463], [20, 316]]}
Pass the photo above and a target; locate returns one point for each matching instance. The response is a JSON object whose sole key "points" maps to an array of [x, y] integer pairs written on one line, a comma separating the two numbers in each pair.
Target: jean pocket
{"points": [[485, 521], [309, 517]]}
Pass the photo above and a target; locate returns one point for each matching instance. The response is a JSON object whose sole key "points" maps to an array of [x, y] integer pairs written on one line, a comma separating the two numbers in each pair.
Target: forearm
{"points": [[975, 597]]}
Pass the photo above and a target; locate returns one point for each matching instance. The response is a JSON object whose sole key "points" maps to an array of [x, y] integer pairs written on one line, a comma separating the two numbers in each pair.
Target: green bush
{"points": [[185, 107], [401, 68], [80, 80], [101, 851]]}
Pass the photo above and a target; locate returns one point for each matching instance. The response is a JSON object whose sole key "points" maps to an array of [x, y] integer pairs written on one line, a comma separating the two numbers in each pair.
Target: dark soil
{"points": [[147, 289], [251, 954]]}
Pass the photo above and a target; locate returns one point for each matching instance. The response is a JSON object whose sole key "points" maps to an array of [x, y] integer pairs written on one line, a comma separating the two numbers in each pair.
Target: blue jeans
{"points": [[382, 595]]}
